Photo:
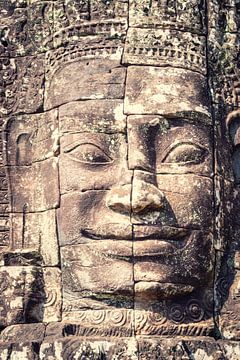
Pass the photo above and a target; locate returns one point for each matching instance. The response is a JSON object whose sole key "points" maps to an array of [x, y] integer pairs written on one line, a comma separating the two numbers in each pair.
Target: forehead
{"points": [[141, 89]]}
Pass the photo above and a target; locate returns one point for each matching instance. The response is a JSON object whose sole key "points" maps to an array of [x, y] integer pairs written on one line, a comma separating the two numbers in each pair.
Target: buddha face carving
{"points": [[121, 218], [136, 182], [128, 154]]}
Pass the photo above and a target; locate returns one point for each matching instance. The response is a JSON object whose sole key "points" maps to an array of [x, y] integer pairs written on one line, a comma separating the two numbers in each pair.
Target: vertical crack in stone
{"points": [[24, 210], [213, 149]]}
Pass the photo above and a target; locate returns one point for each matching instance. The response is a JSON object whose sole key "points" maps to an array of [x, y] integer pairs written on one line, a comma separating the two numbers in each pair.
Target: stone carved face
{"points": [[135, 170], [121, 183], [128, 155]]}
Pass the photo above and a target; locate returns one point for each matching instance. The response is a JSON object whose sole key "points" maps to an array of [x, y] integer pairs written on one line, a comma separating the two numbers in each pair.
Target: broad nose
{"points": [[119, 198], [142, 196], [146, 197]]}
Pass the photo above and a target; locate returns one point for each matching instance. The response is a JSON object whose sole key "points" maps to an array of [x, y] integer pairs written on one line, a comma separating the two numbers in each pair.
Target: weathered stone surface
{"points": [[96, 349], [31, 138], [21, 332], [101, 79], [167, 92], [22, 351], [83, 272], [21, 288], [152, 47], [130, 349], [19, 94], [104, 116], [174, 14], [119, 179], [230, 349], [178, 348], [42, 195], [30, 294], [38, 232], [229, 316], [26, 27]]}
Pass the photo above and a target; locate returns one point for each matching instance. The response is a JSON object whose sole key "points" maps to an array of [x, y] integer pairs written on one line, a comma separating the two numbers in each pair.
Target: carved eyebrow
{"points": [[191, 115]]}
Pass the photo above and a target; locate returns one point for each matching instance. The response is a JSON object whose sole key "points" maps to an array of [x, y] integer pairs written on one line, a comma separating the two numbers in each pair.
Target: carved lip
{"points": [[143, 232], [109, 232], [153, 241]]}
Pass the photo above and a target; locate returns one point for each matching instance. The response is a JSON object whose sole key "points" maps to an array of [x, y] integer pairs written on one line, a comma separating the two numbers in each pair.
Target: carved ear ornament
{"points": [[233, 126]]}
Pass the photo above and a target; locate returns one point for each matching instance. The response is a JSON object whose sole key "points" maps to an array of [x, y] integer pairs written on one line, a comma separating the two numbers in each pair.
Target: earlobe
{"points": [[23, 150], [233, 126]]}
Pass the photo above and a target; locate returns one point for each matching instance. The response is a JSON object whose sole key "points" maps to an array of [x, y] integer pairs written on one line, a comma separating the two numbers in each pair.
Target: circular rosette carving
{"points": [[50, 297], [194, 311], [176, 313], [118, 317], [97, 317], [208, 302], [140, 319], [157, 318], [222, 288]]}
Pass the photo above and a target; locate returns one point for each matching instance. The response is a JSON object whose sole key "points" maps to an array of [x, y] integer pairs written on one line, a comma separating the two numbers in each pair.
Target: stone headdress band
{"points": [[158, 47], [174, 35]]}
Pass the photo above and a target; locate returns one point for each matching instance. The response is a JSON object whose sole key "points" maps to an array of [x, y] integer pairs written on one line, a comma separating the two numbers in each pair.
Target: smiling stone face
{"points": [[119, 179], [129, 159], [135, 172]]}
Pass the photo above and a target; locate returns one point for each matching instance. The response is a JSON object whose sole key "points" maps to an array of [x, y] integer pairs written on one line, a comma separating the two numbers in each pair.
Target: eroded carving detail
{"points": [[119, 179]]}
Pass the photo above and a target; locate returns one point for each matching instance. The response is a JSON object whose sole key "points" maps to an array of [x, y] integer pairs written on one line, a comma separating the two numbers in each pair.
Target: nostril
{"points": [[118, 199], [146, 197]]}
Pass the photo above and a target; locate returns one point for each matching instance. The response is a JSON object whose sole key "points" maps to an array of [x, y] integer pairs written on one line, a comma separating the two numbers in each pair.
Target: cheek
{"points": [[87, 211], [76, 214], [77, 176], [85, 267], [190, 198], [192, 264]]}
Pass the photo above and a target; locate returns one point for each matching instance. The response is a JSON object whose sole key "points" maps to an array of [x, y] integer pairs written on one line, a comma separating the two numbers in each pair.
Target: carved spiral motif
{"points": [[140, 319], [98, 316], [176, 313], [3, 182], [118, 317], [208, 302], [51, 297], [222, 287], [194, 310], [156, 318], [82, 315]]}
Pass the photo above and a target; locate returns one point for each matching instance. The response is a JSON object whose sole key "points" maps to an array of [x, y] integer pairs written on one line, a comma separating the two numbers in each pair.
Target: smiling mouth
{"points": [[151, 241], [148, 241]]}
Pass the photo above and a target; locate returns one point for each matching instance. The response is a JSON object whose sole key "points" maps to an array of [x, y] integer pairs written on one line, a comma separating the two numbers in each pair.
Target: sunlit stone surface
{"points": [[119, 180]]}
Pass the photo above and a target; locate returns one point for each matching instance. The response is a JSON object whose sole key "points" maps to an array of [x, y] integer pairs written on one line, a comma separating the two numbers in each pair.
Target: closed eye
{"points": [[89, 153], [185, 154]]}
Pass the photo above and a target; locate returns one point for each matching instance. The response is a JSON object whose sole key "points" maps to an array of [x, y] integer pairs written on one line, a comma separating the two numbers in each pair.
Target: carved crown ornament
{"points": [[193, 35]]}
